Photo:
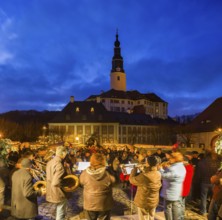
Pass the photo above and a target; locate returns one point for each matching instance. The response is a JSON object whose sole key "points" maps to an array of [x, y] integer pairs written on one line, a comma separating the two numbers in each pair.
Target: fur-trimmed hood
{"points": [[96, 173]]}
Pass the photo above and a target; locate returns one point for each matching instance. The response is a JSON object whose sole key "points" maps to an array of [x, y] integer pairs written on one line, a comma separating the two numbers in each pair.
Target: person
{"points": [[148, 185], [160, 154], [2, 191], [24, 198], [5, 176], [187, 183], [97, 186], [173, 177], [206, 168], [216, 200], [55, 172], [195, 159]]}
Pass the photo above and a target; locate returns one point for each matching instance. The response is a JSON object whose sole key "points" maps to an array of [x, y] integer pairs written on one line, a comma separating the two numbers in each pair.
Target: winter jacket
{"points": [[206, 168], [24, 198], [55, 173], [188, 179], [148, 186], [173, 178], [97, 189]]}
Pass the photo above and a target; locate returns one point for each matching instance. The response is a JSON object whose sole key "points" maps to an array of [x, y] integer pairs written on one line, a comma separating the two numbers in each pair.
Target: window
{"points": [[110, 129], [104, 129], [71, 129], [84, 117], [77, 109], [62, 129], [67, 117], [79, 130], [124, 130], [91, 109], [88, 130], [96, 129], [120, 129], [118, 78], [129, 130]]}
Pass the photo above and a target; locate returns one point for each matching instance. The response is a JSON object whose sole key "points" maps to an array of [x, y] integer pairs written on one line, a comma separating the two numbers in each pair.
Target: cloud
{"points": [[49, 53], [7, 36]]}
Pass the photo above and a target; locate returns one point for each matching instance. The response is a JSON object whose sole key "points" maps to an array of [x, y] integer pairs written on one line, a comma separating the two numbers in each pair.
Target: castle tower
{"points": [[117, 75]]}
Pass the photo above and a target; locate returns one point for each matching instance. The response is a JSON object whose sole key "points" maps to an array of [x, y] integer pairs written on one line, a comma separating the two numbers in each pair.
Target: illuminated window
{"points": [[77, 109], [92, 109]]}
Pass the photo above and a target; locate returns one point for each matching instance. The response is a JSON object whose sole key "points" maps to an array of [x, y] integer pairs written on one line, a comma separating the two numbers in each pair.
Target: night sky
{"points": [[53, 49]]}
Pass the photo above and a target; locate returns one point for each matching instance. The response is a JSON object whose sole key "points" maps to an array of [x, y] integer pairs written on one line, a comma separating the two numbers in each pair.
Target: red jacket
{"points": [[188, 179]]}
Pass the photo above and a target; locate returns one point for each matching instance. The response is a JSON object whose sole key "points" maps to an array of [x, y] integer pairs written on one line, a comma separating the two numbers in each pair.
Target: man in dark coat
{"points": [[24, 198]]}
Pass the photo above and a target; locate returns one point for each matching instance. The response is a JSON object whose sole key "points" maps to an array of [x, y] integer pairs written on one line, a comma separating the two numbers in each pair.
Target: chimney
{"points": [[71, 99], [98, 99]]}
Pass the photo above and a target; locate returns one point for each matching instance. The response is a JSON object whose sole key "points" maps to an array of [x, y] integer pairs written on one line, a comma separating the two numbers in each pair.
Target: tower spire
{"points": [[117, 61], [117, 76]]}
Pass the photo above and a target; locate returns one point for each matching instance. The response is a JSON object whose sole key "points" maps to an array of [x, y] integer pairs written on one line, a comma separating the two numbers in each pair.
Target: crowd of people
{"points": [[170, 178]]}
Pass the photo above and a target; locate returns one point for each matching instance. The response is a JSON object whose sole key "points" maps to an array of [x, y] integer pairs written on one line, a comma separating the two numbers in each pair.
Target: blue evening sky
{"points": [[52, 49]]}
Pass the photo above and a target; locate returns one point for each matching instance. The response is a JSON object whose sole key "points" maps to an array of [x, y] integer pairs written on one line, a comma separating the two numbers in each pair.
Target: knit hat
{"points": [[97, 160], [154, 161], [26, 163]]}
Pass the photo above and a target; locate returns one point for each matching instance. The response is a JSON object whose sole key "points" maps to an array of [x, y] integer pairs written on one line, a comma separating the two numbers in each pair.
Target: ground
{"points": [[124, 207]]}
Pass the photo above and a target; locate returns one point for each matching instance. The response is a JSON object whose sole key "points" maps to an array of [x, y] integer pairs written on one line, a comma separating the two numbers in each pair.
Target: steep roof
{"points": [[210, 119], [131, 95], [91, 111], [80, 111]]}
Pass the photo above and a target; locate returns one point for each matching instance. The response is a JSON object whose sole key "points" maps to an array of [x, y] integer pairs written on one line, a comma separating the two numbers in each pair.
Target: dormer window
{"points": [[91, 109], [77, 109]]}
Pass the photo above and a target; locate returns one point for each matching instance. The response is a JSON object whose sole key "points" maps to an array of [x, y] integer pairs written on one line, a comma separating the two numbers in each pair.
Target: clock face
{"points": [[118, 69]]}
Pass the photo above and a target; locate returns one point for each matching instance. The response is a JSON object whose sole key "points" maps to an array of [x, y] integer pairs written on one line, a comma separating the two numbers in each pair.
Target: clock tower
{"points": [[117, 75]]}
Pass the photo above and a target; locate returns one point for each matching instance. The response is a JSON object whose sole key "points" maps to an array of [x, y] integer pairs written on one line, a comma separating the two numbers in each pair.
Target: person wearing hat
{"points": [[55, 172], [148, 185], [97, 188], [24, 198]]}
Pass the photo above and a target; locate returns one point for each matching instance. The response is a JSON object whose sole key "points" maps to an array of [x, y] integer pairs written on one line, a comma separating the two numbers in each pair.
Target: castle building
{"points": [[118, 99], [116, 116]]}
